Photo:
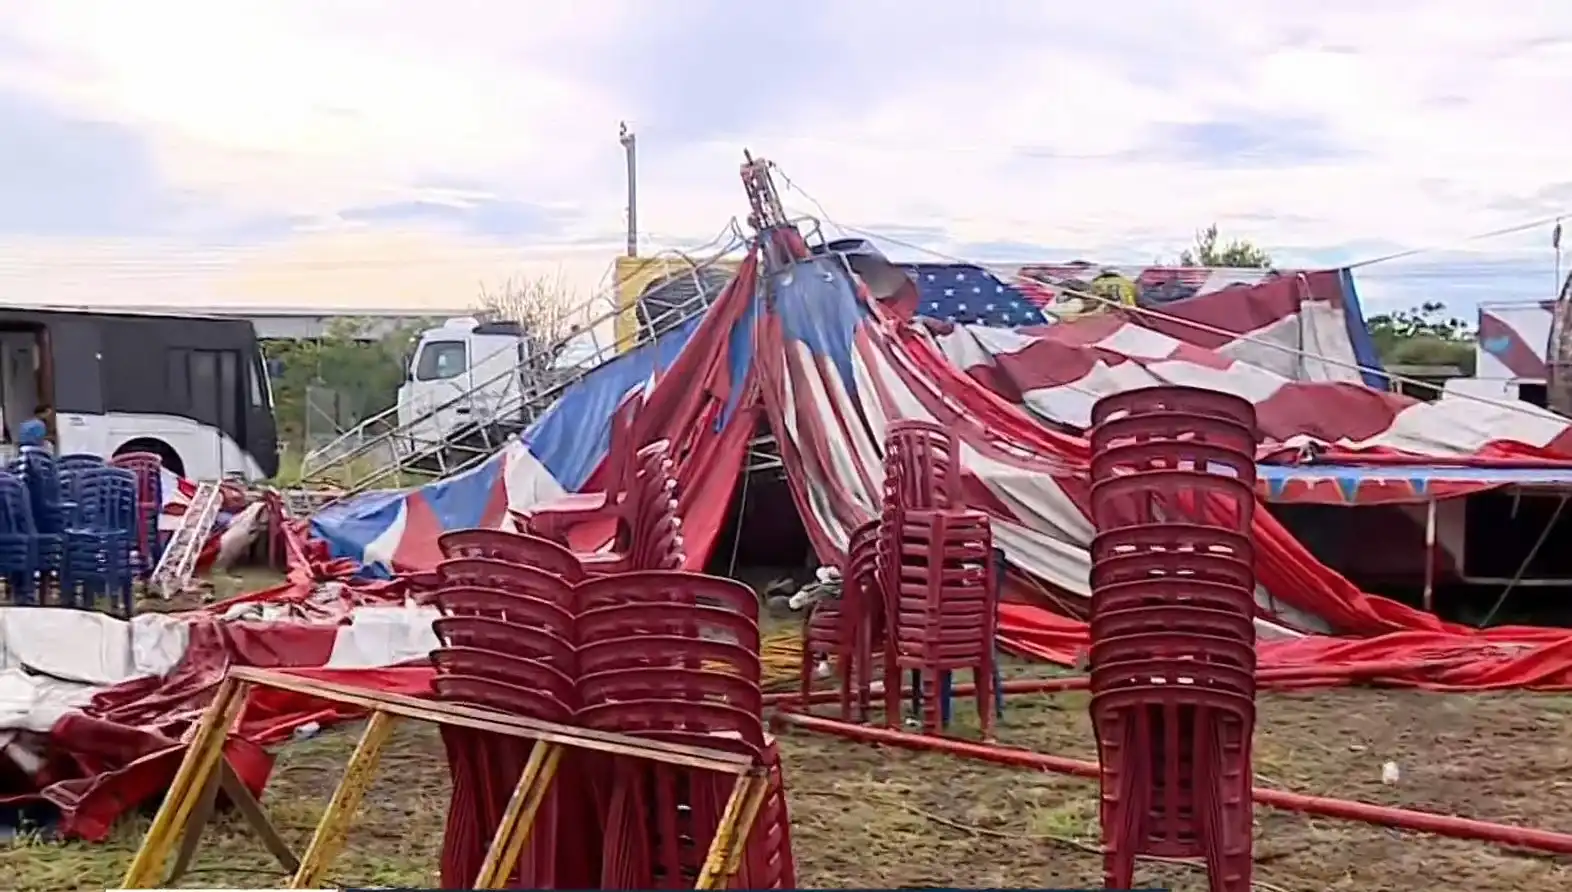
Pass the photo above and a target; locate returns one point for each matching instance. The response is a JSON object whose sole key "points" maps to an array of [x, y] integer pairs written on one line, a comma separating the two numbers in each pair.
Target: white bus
{"points": [[192, 389]]}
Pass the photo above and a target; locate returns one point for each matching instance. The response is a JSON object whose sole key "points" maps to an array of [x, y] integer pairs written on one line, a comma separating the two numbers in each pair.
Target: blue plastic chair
{"points": [[37, 468], [101, 539], [18, 542], [79, 461]]}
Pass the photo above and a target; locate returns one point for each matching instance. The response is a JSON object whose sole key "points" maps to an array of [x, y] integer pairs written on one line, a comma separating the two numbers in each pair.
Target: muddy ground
{"points": [[865, 817]]}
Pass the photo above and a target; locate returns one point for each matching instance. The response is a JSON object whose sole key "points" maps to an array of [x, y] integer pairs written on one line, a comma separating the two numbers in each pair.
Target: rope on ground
{"points": [[780, 654]]}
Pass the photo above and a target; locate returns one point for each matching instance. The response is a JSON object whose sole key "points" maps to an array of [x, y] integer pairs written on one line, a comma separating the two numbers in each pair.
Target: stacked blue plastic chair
{"points": [[101, 539], [18, 542], [79, 461], [39, 472], [71, 467]]}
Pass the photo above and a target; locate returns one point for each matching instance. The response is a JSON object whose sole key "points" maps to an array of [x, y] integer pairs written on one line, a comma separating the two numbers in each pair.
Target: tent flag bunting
{"points": [[829, 347]]}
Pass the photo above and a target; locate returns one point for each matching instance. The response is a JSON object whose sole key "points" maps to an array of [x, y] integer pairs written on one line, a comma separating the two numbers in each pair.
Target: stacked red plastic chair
{"points": [[675, 656], [507, 635], [1172, 630], [849, 628], [556, 520], [940, 595], [647, 533], [149, 470]]}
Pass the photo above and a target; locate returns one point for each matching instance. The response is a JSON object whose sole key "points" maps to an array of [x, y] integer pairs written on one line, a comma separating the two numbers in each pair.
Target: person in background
{"points": [[33, 432]]}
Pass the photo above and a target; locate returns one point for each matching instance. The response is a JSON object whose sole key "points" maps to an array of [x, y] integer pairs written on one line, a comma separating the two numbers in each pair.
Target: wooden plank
{"points": [[334, 826], [202, 754], [443, 713], [518, 819], [192, 835], [750, 814], [251, 810], [728, 834]]}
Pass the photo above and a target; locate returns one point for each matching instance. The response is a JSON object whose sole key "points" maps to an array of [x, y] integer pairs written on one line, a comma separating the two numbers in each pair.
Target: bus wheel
{"points": [[164, 451]]}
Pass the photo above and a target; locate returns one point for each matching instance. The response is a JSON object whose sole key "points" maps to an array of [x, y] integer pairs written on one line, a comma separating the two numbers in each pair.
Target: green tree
{"points": [[1423, 335], [1209, 250], [357, 377]]}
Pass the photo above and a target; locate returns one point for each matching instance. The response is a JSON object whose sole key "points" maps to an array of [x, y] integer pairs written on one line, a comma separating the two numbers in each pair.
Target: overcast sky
{"points": [[396, 153]]}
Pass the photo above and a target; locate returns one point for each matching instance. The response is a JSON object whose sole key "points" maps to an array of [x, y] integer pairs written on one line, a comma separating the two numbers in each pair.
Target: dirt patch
{"points": [[1499, 757], [872, 817]]}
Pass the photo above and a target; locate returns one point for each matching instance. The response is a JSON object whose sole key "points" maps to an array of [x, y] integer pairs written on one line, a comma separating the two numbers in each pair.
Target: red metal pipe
{"points": [[1290, 677], [1013, 686], [1347, 809]]}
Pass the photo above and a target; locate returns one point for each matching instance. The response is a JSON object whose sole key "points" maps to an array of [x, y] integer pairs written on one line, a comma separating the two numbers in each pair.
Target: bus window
{"points": [[229, 390], [261, 383], [206, 395], [440, 360]]}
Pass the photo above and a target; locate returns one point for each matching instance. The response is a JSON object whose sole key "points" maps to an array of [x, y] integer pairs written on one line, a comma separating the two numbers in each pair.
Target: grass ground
{"points": [[865, 817]]}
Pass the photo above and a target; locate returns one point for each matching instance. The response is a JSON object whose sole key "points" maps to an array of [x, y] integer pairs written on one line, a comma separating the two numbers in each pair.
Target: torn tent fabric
{"points": [[1057, 372], [93, 709], [837, 368], [830, 367]]}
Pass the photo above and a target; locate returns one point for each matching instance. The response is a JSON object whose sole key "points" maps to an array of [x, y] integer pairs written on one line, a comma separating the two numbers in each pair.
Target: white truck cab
{"points": [[463, 376]]}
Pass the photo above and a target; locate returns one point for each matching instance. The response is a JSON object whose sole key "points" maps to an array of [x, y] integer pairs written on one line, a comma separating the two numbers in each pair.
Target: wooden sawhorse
{"points": [[189, 803]]}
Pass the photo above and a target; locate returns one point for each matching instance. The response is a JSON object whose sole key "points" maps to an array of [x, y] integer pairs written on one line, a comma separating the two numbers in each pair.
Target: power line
{"points": [[1152, 313]]}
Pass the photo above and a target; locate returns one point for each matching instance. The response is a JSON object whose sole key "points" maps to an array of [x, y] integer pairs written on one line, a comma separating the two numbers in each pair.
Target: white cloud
{"points": [[1025, 124]]}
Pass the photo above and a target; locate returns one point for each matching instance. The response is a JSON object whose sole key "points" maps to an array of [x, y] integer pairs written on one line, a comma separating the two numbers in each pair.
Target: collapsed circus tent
{"points": [[830, 363], [826, 348]]}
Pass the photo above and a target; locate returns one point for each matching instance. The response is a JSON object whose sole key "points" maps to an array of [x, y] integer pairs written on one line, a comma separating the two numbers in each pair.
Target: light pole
{"points": [[628, 146]]}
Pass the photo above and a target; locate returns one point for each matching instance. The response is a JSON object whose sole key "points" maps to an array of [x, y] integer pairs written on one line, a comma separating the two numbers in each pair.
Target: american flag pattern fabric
{"points": [[1307, 326], [1057, 372], [971, 294]]}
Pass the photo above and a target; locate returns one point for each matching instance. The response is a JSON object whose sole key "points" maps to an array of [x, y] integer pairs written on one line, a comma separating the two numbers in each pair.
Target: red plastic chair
{"points": [[514, 548], [1174, 428], [1184, 601], [1176, 781], [1172, 497], [555, 519], [648, 532], [668, 586], [669, 651], [826, 629], [1193, 401], [552, 677], [515, 578], [672, 619], [1172, 632], [922, 465], [488, 693], [490, 607], [1173, 539], [1196, 456], [148, 467], [421, 586], [941, 610], [669, 683], [485, 768]]}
